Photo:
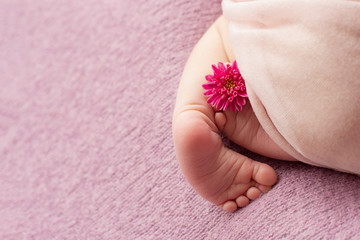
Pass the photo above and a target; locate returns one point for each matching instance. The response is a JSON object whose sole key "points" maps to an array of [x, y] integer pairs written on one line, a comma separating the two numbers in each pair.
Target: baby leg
{"points": [[220, 175]]}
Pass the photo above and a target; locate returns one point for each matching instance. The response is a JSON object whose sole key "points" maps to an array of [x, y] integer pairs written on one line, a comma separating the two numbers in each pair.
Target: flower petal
{"points": [[208, 92], [221, 67], [209, 78], [208, 86], [219, 102], [234, 65], [238, 107], [216, 70], [232, 107], [213, 98], [226, 105], [240, 101]]}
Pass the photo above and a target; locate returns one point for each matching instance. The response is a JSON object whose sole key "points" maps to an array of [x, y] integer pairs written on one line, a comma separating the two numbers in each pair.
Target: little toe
{"points": [[220, 120], [242, 201], [229, 206], [253, 193]]}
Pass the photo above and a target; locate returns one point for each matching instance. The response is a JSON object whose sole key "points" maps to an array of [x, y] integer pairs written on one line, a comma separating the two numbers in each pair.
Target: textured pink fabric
{"points": [[305, 85], [86, 100]]}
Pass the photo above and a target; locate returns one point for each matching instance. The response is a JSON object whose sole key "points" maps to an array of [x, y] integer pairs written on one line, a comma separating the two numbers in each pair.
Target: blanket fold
{"points": [[300, 61]]}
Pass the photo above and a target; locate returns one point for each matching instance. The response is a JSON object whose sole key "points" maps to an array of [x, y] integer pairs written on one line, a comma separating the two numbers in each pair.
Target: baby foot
{"points": [[220, 175]]}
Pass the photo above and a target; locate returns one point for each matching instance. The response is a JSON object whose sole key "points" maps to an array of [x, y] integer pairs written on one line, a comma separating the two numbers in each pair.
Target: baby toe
{"points": [[229, 206], [253, 193], [220, 120], [242, 201], [264, 174]]}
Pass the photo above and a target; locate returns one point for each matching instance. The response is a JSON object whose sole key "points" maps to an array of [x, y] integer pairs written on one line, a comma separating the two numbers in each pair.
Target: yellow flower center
{"points": [[229, 84]]}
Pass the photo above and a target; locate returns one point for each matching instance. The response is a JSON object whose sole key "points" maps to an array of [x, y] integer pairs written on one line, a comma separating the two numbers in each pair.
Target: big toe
{"points": [[264, 174]]}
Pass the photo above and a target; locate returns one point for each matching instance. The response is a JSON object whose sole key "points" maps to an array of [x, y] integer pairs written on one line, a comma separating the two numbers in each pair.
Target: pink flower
{"points": [[226, 88]]}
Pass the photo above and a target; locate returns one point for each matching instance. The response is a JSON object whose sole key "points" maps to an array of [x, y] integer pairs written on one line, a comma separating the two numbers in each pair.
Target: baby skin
{"points": [[220, 175]]}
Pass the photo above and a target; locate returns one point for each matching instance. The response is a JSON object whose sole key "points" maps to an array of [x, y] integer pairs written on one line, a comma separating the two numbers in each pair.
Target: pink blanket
{"points": [[86, 100]]}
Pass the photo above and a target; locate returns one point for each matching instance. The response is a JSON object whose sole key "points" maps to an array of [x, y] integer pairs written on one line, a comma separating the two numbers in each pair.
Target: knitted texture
{"points": [[86, 152]]}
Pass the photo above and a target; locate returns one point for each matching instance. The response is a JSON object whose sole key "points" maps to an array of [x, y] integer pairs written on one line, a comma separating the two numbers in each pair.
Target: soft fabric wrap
{"points": [[301, 64]]}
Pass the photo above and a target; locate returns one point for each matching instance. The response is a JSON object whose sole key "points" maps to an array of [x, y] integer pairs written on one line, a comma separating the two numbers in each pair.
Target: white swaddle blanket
{"points": [[301, 64]]}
